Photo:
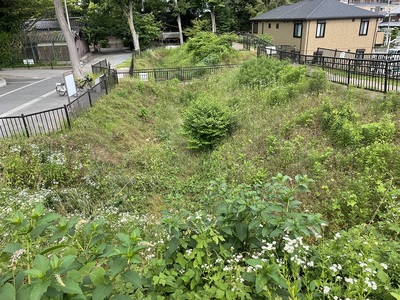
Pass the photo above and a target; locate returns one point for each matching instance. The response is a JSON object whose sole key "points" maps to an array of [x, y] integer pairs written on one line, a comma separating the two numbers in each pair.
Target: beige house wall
{"points": [[282, 35], [339, 34]]}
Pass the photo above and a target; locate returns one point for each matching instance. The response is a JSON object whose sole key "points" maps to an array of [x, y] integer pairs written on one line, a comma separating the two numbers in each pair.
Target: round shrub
{"points": [[261, 72], [206, 122]]}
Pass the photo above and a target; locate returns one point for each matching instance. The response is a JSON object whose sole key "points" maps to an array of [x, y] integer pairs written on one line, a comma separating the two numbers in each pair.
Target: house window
{"points": [[262, 28], [277, 25], [269, 25], [321, 24], [364, 27], [298, 27]]}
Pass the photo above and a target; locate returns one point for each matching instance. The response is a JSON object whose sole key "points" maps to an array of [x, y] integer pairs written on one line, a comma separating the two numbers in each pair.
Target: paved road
{"points": [[25, 95], [33, 90]]}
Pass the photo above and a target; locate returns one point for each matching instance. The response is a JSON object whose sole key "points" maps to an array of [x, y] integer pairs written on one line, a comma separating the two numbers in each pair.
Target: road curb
{"points": [[2, 82]]}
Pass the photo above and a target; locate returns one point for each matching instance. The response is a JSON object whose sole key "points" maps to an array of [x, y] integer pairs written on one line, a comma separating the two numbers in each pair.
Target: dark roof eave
{"points": [[311, 19]]}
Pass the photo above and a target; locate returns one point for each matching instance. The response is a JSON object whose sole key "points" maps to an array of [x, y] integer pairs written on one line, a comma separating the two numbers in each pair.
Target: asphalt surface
{"points": [[33, 90]]}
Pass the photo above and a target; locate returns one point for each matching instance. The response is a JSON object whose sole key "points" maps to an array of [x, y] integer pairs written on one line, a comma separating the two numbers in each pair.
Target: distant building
{"points": [[46, 42], [311, 24]]}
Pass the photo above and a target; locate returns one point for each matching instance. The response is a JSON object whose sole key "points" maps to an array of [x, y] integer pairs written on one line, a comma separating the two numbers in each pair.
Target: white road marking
{"points": [[7, 113], [22, 87]]}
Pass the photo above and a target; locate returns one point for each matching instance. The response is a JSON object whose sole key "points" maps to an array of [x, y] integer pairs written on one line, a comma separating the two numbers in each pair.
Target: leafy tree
{"points": [[102, 20], [14, 14], [198, 26]]}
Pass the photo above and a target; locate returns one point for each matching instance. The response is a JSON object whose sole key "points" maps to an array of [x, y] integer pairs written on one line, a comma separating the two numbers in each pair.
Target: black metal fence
{"points": [[56, 119], [182, 74], [376, 72]]}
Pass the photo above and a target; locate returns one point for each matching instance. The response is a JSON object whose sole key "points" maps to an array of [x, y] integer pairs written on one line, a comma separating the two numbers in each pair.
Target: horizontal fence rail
{"points": [[376, 72], [182, 74]]}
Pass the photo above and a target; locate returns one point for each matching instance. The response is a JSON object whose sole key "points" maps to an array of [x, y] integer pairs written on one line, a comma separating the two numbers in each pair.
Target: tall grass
{"points": [[134, 153]]}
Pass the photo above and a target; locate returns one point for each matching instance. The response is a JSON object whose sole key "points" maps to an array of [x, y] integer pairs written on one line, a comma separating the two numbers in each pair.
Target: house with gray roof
{"points": [[46, 42], [311, 24]]}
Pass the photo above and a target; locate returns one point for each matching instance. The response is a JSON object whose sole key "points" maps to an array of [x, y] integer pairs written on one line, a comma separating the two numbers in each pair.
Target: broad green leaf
{"points": [[70, 287], [75, 275], [39, 288], [188, 275], [47, 219], [397, 296], [241, 231], [124, 238], [173, 244], [86, 269], [19, 279], [97, 276], [102, 291], [254, 223], [220, 294], [35, 273], [132, 277], [383, 276], [253, 262], [8, 292], [37, 231], [12, 247], [117, 266], [67, 260], [24, 292], [41, 263], [278, 280]]}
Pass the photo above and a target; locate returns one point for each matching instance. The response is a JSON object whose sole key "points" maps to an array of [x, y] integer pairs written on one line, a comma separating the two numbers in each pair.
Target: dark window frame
{"points": [[364, 24], [298, 29], [321, 27]]}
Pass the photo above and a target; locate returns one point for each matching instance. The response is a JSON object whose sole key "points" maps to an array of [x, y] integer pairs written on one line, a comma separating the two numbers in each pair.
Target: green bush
{"points": [[206, 122], [261, 72], [318, 81], [292, 74], [206, 48], [383, 130]]}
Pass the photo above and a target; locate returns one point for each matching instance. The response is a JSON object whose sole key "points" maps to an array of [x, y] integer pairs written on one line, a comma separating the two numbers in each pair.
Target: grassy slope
{"points": [[132, 146]]}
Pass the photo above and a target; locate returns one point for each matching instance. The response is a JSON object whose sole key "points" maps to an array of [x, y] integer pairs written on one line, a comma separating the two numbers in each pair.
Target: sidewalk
{"points": [[113, 57]]}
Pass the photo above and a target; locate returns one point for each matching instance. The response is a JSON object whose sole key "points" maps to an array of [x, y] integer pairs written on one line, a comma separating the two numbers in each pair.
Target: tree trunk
{"points": [[69, 38], [213, 24], [178, 18], [129, 15]]}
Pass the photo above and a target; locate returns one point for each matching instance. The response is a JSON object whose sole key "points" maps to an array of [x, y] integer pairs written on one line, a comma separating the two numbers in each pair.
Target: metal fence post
{"points": [[90, 98], [25, 125], [67, 116], [385, 88], [348, 72], [105, 84]]}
